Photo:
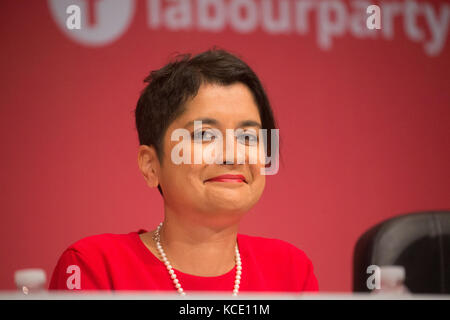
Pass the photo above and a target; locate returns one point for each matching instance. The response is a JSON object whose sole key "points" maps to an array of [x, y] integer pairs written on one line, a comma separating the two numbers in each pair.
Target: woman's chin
{"points": [[225, 195], [229, 204]]}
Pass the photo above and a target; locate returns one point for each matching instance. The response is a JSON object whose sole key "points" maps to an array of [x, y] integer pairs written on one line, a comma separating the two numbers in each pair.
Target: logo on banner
{"points": [[101, 21], [104, 21]]}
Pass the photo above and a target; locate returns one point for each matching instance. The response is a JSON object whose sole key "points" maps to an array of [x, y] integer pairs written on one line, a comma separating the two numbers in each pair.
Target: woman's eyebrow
{"points": [[203, 120], [249, 123], [245, 123]]}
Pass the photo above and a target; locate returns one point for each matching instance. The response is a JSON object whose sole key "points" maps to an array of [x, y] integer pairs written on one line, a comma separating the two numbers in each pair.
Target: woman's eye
{"points": [[248, 139], [205, 135]]}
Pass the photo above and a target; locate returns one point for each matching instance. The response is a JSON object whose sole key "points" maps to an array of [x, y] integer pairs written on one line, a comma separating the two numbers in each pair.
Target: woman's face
{"points": [[186, 186]]}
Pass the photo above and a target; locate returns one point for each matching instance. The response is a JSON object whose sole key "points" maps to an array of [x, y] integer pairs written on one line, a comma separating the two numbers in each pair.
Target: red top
{"points": [[123, 262]]}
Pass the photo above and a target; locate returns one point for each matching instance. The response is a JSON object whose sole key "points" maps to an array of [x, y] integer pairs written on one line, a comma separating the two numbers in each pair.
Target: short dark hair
{"points": [[168, 89]]}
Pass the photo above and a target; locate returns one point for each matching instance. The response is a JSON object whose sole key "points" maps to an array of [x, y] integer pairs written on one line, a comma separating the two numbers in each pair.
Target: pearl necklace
{"points": [[173, 276]]}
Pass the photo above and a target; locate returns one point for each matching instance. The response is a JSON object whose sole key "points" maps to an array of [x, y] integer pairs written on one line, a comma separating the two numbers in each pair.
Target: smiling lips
{"points": [[234, 178]]}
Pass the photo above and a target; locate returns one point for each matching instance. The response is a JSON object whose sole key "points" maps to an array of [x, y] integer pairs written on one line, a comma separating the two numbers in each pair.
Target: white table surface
{"points": [[138, 295]]}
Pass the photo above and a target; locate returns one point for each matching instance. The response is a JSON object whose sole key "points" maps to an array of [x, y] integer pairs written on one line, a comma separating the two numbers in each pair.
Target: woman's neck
{"points": [[197, 249]]}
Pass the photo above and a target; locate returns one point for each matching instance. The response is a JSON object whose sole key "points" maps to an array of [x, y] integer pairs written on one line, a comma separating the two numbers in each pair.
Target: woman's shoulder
{"points": [[279, 257], [93, 256], [100, 243], [273, 246]]}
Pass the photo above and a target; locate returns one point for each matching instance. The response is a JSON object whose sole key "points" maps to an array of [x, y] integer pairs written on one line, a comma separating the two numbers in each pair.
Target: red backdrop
{"points": [[364, 119]]}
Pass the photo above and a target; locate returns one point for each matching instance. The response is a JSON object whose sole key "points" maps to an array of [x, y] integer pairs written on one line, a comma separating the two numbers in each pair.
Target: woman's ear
{"points": [[149, 165]]}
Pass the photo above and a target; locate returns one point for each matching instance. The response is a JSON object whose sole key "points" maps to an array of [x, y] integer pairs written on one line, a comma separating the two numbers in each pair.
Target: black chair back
{"points": [[420, 242]]}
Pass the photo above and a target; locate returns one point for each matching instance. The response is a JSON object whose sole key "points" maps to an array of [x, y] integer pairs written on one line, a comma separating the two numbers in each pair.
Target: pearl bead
{"points": [[178, 285], [175, 280], [239, 268], [171, 271]]}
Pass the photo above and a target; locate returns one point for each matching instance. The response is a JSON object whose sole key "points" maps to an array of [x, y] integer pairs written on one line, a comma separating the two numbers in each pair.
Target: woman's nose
{"points": [[228, 150], [232, 152]]}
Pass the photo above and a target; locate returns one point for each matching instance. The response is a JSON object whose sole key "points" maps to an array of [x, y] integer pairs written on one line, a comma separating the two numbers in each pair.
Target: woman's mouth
{"points": [[233, 178]]}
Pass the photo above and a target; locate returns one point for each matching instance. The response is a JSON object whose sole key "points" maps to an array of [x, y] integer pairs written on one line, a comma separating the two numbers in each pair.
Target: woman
{"points": [[197, 246]]}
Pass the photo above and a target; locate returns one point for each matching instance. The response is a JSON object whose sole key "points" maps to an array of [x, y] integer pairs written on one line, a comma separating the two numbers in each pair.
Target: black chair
{"points": [[420, 242]]}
